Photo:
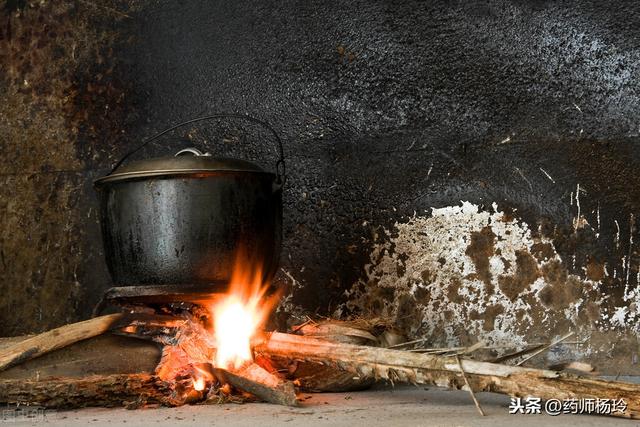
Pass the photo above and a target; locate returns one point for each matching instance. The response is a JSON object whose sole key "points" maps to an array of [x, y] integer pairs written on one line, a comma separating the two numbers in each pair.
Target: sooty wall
{"points": [[466, 169]]}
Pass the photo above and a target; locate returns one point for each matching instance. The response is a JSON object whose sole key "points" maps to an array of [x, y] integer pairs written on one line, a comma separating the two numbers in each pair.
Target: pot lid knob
{"points": [[192, 150]]}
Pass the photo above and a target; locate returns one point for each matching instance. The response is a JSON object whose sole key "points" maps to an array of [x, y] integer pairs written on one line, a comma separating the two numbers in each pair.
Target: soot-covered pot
{"points": [[184, 219]]}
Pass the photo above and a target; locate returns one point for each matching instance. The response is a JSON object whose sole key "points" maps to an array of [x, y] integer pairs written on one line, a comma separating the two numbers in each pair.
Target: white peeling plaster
{"points": [[423, 241]]}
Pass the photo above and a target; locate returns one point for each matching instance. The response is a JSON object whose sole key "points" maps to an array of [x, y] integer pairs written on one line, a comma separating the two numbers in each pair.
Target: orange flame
{"points": [[239, 314], [200, 377]]}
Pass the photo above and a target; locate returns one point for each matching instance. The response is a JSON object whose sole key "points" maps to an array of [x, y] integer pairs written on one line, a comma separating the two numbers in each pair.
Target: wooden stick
{"points": [[105, 354], [472, 348], [55, 338], [544, 348], [402, 344], [473, 396], [258, 381], [295, 346], [131, 390], [516, 354], [395, 365]]}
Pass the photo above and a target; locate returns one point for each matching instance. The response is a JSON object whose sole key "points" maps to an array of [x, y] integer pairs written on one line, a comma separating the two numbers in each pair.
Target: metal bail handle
{"points": [[280, 164]]}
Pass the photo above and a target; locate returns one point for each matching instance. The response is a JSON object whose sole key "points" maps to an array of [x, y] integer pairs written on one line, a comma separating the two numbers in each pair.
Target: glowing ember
{"points": [[239, 314], [198, 384], [200, 378]]}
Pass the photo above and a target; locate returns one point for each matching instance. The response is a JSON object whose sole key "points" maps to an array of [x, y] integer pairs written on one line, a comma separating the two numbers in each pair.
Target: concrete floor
{"points": [[402, 406]]}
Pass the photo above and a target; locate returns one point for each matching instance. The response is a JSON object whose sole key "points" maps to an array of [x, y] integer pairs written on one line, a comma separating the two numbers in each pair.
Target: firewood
{"points": [[105, 354], [304, 348], [131, 390], [403, 366], [315, 377], [566, 386], [192, 344], [258, 381], [357, 360], [40, 344], [337, 331]]}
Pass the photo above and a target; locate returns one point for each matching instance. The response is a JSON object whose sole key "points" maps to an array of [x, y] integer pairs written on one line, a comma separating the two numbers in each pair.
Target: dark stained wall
{"points": [[387, 109]]}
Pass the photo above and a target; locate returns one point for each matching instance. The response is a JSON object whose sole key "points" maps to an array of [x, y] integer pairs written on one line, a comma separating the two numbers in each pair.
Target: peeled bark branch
{"points": [[376, 360], [40, 344], [402, 366]]}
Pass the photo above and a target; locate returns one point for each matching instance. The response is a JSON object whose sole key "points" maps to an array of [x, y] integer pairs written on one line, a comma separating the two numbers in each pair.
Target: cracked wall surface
{"points": [[402, 123]]}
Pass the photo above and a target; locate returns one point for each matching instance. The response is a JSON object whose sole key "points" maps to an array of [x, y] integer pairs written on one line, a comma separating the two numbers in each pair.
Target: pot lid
{"points": [[187, 161]]}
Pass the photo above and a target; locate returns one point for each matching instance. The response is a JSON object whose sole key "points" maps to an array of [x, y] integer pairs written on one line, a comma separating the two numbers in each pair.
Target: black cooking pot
{"points": [[185, 219]]}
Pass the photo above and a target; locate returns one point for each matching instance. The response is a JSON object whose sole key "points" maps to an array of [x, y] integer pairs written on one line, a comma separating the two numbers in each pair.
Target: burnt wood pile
{"points": [[145, 358]]}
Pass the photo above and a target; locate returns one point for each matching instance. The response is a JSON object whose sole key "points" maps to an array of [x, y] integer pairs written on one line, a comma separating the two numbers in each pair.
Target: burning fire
{"points": [[239, 314], [199, 378], [199, 383], [237, 317]]}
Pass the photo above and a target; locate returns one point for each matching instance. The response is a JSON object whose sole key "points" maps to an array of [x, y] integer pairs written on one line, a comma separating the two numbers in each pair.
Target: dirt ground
{"points": [[402, 406]]}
